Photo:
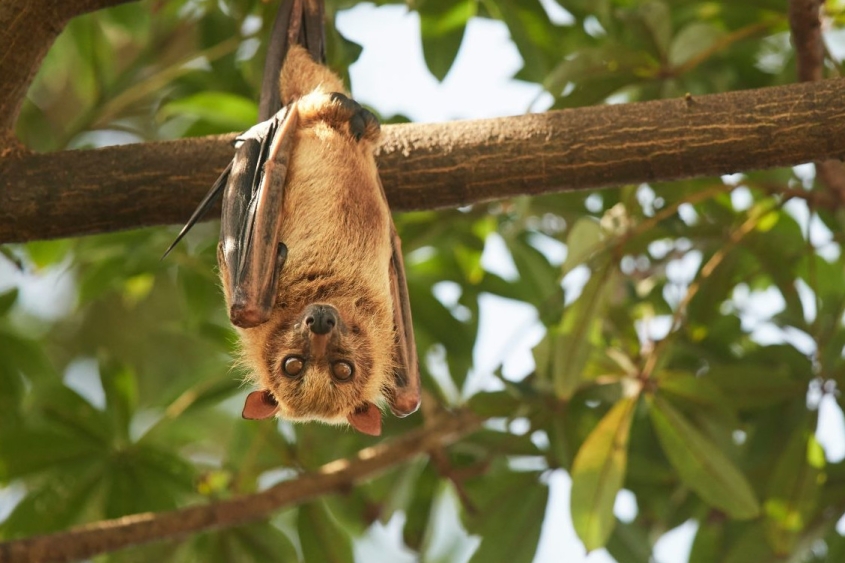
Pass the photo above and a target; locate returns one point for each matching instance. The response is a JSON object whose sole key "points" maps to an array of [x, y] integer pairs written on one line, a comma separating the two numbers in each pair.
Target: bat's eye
{"points": [[292, 366], [342, 371]]}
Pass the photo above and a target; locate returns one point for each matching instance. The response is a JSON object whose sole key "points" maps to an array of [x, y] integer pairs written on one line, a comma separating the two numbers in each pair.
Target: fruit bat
{"points": [[310, 261]]}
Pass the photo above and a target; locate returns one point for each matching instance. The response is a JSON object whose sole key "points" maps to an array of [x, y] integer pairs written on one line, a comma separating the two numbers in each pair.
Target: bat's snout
{"points": [[321, 319]]}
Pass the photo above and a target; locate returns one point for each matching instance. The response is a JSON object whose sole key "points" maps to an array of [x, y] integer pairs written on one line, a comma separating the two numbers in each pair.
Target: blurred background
{"points": [[675, 349]]}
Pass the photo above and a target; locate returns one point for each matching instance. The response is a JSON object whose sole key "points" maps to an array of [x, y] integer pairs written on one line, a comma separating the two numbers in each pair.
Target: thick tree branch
{"points": [[806, 27], [28, 29], [428, 166], [111, 535]]}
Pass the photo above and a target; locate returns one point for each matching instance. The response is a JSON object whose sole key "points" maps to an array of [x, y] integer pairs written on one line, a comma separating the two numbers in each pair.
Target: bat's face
{"points": [[324, 365], [323, 360]]}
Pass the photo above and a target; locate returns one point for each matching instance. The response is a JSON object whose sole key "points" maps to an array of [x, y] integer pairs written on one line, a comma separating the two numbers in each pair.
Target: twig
{"points": [[111, 535]]}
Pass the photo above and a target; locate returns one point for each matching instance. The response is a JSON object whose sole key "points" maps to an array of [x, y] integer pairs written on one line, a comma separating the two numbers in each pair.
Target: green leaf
{"points": [[419, 509], [579, 333], [598, 473], [629, 543], [25, 452], [534, 35], [495, 404], [7, 300], [751, 545], [121, 390], [700, 463], [44, 253], [700, 392], [58, 503], [751, 385], [794, 488], [691, 40], [657, 19], [708, 544], [442, 25], [226, 111], [583, 241], [323, 540], [27, 356], [510, 514]]}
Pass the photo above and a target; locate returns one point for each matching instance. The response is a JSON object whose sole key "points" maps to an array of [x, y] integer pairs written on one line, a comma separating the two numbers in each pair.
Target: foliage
{"points": [[691, 332]]}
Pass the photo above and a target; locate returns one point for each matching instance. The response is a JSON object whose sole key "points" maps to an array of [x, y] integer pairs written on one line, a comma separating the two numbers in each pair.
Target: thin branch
{"points": [[28, 29], [429, 166], [111, 535], [806, 27]]}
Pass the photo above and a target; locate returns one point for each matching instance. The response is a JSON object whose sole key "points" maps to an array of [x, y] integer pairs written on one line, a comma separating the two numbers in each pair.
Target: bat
{"points": [[310, 260]]}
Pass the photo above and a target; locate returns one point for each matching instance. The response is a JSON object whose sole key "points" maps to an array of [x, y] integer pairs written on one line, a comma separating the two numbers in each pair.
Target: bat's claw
{"points": [[362, 122]]}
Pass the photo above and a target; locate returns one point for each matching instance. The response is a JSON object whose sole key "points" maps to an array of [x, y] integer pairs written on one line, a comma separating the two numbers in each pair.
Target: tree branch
{"points": [[428, 166], [111, 535], [28, 29], [806, 28]]}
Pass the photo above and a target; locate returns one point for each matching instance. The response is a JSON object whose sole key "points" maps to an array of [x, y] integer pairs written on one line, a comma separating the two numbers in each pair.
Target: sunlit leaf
{"points": [[226, 111], [598, 473]]}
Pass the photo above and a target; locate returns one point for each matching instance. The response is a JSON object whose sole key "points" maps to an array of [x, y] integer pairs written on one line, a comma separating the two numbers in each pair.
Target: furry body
{"points": [[337, 229]]}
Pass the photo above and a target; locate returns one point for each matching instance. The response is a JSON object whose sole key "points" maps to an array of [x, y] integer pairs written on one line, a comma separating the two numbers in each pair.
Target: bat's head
{"points": [[325, 362]]}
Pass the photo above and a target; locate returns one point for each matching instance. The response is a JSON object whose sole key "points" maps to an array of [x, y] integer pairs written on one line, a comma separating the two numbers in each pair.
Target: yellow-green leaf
{"points": [[598, 473]]}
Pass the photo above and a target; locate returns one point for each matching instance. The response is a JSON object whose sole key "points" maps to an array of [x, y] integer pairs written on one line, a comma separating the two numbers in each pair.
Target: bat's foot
{"points": [[362, 123], [341, 113]]}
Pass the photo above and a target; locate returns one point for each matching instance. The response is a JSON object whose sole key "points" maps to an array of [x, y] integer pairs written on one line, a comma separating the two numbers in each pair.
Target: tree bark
{"points": [[806, 28], [112, 535], [28, 29], [429, 166]]}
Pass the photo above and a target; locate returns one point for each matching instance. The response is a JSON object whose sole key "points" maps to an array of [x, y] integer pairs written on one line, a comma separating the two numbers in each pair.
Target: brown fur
{"points": [[337, 229]]}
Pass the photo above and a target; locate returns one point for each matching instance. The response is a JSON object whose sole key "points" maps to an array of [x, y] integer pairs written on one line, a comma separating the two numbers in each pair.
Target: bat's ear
{"points": [[260, 404], [366, 419]]}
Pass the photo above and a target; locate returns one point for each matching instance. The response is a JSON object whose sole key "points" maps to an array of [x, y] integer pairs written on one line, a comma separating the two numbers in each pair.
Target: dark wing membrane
{"points": [[203, 207], [405, 396], [250, 250], [297, 22]]}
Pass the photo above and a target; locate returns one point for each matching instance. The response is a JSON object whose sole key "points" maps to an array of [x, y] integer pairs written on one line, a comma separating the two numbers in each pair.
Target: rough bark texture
{"points": [[428, 166], [806, 28], [28, 29], [111, 535]]}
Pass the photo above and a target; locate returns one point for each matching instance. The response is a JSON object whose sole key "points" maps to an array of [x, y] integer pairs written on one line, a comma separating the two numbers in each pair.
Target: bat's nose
{"points": [[321, 319]]}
